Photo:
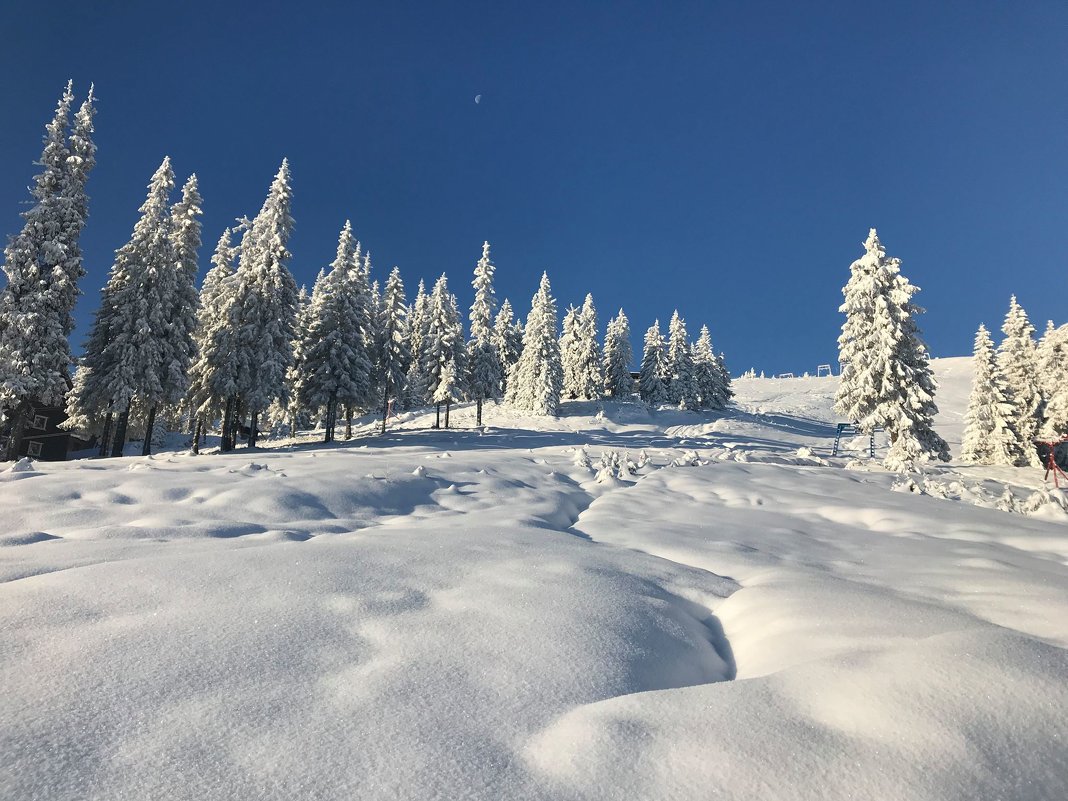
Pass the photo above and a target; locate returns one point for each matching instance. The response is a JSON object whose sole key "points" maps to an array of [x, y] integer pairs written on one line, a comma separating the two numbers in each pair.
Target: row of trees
{"points": [[1019, 392], [250, 350]]}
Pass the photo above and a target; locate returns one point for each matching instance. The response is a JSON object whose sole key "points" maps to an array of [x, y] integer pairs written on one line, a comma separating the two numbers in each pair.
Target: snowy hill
{"points": [[473, 614]]}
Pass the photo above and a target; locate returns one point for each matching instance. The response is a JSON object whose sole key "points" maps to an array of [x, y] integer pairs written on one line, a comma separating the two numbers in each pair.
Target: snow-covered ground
{"points": [[472, 614]]}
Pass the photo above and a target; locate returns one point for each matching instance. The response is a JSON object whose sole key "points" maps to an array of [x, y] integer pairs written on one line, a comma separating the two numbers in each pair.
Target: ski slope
{"points": [[473, 614]]}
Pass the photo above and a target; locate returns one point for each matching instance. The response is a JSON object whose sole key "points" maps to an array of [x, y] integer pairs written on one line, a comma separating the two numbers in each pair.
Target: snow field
{"points": [[472, 614]]}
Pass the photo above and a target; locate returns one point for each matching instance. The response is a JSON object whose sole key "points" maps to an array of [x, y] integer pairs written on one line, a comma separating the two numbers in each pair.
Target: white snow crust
{"points": [[472, 614]]}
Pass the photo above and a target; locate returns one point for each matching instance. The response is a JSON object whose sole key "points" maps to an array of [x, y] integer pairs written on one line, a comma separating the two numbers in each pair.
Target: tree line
{"points": [[252, 352]]}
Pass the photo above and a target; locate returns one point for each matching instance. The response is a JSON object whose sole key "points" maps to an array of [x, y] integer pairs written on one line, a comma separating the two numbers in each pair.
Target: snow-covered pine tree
{"points": [[537, 380], [213, 372], [266, 300], [886, 377], [651, 385], [508, 339], [131, 328], [1017, 362], [445, 393], [681, 386], [416, 385], [989, 436], [710, 377], [43, 264], [335, 366], [182, 314], [294, 409], [569, 352], [1052, 361], [618, 355], [484, 374], [443, 340], [588, 377], [81, 158], [395, 351]]}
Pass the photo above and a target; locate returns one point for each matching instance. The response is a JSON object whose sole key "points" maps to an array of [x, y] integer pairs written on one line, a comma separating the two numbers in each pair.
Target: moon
{"points": [[478, 99]]}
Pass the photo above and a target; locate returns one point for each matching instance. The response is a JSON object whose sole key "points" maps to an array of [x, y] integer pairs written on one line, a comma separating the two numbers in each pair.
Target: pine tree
{"points": [[681, 386], [508, 340], [653, 370], [618, 355], [127, 352], [212, 376], [1052, 361], [395, 351], [335, 365], [537, 380], [886, 378], [484, 374], [710, 376], [445, 392], [443, 342], [43, 265], [989, 433], [1017, 362], [266, 298], [588, 378], [569, 352], [183, 307], [416, 385]]}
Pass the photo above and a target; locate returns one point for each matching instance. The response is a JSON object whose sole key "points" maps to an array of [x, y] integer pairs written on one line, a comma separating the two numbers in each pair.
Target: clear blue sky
{"points": [[726, 158]]}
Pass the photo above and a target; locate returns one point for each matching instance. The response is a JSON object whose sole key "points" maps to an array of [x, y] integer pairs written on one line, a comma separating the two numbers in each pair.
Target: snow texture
{"points": [[473, 614]]}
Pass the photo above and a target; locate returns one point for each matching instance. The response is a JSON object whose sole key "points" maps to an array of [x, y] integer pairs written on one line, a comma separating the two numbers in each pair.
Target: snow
{"points": [[734, 614]]}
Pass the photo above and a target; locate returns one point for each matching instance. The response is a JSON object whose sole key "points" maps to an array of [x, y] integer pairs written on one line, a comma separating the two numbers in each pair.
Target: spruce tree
{"points": [[618, 355], [653, 370], [588, 378], [445, 393], [1052, 361], [989, 433], [508, 340], [416, 385], [537, 380], [886, 377], [681, 386], [1017, 362], [395, 350], [212, 376], [484, 373], [443, 342], [128, 349], [569, 352], [266, 299], [712, 382], [43, 265], [335, 366], [183, 307]]}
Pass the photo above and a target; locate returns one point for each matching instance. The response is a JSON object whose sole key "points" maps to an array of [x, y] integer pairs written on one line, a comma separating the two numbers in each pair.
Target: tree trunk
{"points": [[348, 421], [437, 418], [253, 433], [18, 430], [235, 422], [105, 435], [227, 442], [385, 404], [331, 411], [448, 405], [293, 426], [146, 447], [198, 431], [478, 413], [120, 432]]}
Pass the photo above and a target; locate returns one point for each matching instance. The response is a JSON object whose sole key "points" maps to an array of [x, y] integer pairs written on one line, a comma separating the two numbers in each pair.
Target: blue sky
{"points": [[725, 158]]}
